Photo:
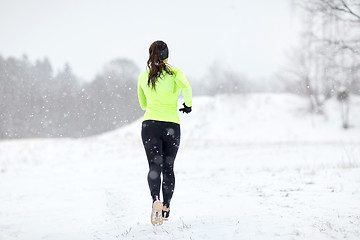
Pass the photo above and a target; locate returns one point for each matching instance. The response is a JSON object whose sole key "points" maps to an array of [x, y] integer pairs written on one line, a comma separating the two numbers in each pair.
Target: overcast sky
{"points": [[248, 37]]}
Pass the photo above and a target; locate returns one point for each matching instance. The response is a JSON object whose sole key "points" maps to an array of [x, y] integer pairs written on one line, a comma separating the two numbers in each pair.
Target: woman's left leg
{"points": [[152, 141]]}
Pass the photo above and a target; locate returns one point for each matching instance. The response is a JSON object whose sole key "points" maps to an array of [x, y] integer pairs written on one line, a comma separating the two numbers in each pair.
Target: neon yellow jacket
{"points": [[161, 104]]}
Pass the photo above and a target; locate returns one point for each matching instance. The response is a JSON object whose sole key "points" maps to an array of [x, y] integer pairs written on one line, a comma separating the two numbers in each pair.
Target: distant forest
{"points": [[35, 102]]}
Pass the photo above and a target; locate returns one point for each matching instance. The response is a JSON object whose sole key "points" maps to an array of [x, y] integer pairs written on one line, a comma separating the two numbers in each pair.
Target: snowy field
{"points": [[249, 167]]}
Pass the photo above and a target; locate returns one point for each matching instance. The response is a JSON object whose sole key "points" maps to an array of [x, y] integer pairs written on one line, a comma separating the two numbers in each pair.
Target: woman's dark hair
{"points": [[158, 52]]}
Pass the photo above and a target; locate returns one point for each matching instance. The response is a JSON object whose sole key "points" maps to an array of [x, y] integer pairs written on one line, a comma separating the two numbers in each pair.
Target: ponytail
{"points": [[158, 52]]}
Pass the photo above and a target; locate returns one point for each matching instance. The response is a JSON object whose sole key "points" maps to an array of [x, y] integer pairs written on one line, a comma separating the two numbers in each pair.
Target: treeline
{"points": [[36, 102], [223, 80]]}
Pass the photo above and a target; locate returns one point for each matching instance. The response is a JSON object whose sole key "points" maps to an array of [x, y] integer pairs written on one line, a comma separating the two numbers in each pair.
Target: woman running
{"points": [[158, 90]]}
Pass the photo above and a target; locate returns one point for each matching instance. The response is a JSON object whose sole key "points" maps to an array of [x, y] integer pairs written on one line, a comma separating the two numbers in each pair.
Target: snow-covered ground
{"points": [[249, 167]]}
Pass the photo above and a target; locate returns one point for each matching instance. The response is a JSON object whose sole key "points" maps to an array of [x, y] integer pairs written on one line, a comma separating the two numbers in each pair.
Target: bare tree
{"points": [[301, 75], [331, 45], [343, 98]]}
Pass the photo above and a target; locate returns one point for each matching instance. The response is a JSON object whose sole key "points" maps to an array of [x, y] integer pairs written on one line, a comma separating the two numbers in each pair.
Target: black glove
{"points": [[185, 109]]}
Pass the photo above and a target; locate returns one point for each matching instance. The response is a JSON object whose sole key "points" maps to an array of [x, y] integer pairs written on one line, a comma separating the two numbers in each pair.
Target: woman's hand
{"points": [[185, 109]]}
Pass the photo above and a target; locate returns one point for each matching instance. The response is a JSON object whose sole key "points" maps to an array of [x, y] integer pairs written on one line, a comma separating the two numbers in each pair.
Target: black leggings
{"points": [[161, 142]]}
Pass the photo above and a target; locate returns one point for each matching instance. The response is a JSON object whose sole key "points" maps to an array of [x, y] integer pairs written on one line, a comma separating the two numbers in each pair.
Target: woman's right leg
{"points": [[171, 142], [150, 135]]}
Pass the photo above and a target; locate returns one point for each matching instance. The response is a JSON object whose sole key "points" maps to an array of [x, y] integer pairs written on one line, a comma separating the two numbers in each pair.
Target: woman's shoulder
{"points": [[176, 70], [144, 74]]}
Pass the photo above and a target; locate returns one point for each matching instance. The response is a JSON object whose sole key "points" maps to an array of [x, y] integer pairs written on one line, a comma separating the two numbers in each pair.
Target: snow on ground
{"points": [[249, 167]]}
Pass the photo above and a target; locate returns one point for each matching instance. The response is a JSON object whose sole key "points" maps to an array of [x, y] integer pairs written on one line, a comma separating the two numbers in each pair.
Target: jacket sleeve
{"points": [[184, 85], [141, 96]]}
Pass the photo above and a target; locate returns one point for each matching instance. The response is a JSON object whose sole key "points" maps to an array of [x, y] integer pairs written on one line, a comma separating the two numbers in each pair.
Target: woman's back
{"points": [[161, 103]]}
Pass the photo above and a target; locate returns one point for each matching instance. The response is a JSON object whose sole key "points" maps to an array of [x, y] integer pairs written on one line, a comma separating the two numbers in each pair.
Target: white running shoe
{"points": [[156, 214]]}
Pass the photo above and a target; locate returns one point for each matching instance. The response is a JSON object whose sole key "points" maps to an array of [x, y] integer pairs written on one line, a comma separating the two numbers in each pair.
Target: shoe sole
{"points": [[156, 214]]}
